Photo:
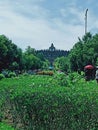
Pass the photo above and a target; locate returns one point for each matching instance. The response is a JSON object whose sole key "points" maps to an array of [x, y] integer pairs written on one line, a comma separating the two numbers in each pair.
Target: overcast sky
{"points": [[38, 23]]}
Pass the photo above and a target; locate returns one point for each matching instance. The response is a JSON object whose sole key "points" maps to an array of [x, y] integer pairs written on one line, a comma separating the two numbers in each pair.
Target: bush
{"points": [[68, 80], [61, 79], [11, 74], [37, 107], [4, 126], [56, 109], [5, 73], [25, 74], [2, 76]]}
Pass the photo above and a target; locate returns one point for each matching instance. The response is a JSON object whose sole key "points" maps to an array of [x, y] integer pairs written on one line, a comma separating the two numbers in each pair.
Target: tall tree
{"points": [[9, 53]]}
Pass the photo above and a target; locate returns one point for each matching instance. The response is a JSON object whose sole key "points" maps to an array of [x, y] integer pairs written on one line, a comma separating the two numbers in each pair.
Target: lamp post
{"points": [[86, 21]]}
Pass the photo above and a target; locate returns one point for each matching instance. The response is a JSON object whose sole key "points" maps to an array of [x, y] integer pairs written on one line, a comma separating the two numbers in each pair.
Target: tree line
{"points": [[13, 58], [84, 52]]}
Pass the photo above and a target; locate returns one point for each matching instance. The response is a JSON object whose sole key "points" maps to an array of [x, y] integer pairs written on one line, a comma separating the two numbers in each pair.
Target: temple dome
{"points": [[52, 48]]}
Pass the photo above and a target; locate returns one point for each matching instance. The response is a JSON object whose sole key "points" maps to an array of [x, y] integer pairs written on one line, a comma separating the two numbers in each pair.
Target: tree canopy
{"points": [[84, 52], [13, 58]]}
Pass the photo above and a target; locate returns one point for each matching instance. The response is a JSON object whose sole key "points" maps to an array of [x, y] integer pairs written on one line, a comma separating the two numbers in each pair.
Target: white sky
{"points": [[38, 23]]}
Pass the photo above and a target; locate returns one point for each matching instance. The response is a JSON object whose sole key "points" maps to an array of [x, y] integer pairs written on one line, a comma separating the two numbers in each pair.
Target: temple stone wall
{"points": [[52, 53]]}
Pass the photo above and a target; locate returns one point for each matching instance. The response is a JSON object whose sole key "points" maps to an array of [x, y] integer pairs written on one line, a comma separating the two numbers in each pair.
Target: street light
{"points": [[86, 21]]}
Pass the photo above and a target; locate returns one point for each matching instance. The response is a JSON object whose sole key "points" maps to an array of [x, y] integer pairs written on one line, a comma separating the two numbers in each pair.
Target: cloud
{"points": [[31, 23]]}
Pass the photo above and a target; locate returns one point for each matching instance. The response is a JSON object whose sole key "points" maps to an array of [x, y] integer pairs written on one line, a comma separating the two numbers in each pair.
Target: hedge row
{"points": [[52, 108], [58, 110]]}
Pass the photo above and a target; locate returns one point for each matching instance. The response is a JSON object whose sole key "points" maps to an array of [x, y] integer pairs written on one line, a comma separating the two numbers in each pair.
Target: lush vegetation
{"points": [[47, 100], [84, 52], [5, 127], [58, 102], [13, 58]]}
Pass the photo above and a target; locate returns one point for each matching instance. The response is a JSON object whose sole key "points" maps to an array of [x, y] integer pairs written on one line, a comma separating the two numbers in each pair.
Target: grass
{"points": [[53, 94], [4, 126]]}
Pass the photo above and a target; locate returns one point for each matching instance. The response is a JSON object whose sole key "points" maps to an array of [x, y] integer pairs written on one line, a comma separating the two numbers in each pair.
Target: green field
{"points": [[40, 102], [5, 127]]}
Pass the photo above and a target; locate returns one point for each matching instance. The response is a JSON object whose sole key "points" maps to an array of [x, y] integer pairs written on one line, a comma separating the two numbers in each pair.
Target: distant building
{"points": [[52, 53], [52, 48]]}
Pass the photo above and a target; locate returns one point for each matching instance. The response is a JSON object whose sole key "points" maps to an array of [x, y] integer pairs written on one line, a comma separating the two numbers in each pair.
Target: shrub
{"points": [[11, 74], [56, 109], [37, 107], [5, 73], [4, 126], [2, 76], [25, 74], [62, 79]]}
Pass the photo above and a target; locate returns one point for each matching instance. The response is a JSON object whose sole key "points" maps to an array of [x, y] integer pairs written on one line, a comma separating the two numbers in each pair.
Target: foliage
{"points": [[84, 52], [30, 50], [9, 53], [62, 64], [12, 57], [45, 65], [68, 79], [11, 74], [42, 102], [32, 62], [14, 66], [61, 101], [5, 127], [1, 76]]}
